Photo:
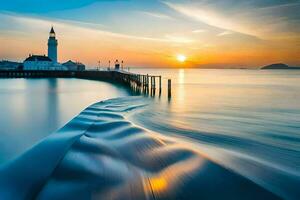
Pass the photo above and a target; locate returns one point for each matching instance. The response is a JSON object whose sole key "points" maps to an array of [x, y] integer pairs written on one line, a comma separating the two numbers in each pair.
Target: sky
{"points": [[155, 33]]}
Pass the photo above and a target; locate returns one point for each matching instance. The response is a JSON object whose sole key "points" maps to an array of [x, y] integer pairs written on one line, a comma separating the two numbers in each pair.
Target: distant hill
{"points": [[279, 66]]}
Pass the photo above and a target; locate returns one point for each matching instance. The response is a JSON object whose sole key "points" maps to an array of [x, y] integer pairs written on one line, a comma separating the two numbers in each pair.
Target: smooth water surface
{"points": [[31, 109], [245, 120], [224, 128], [100, 154]]}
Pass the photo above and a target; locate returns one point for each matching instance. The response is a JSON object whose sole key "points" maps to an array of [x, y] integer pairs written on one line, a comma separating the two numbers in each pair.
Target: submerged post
{"points": [[159, 84], [169, 88]]}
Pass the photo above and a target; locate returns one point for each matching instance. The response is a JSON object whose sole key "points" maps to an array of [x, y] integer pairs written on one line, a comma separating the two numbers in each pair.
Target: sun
{"points": [[181, 58]]}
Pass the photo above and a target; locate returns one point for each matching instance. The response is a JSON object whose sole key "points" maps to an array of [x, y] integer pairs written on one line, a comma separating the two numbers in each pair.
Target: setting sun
{"points": [[181, 58]]}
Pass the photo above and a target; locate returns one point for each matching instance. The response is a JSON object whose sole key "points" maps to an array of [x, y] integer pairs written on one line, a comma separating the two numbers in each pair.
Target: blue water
{"points": [[245, 120], [34, 108], [224, 134]]}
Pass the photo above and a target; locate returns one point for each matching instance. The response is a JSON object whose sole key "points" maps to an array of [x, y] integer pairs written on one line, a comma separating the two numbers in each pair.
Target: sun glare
{"points": [[181, 58]]}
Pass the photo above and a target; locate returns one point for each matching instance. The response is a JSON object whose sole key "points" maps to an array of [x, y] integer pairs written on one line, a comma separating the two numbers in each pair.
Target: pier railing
{"points": [[140, 83]]}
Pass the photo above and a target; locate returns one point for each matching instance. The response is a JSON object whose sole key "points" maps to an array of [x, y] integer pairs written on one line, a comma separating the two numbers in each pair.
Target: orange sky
{"points": [[204, 34]]}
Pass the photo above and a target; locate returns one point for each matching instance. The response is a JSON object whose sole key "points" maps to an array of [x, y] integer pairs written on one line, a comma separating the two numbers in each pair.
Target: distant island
{"points": [[279, 66]]}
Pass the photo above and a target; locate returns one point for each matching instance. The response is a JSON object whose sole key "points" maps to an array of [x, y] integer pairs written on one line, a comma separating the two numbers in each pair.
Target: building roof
{"points": [[38, 58], [52, 30], [70, 62]]}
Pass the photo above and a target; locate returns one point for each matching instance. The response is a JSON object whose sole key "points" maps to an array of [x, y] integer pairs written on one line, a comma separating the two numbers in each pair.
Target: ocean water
{"points": [[244, 120], [34, 108], [224, 134]]}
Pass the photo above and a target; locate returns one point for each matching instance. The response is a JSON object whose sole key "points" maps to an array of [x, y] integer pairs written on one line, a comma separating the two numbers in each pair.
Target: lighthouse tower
{"points": [[52, 46]]}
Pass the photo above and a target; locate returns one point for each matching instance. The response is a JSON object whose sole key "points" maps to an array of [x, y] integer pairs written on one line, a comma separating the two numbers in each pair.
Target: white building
{"points": [[42, 62], [39, 62], [74, 66]]}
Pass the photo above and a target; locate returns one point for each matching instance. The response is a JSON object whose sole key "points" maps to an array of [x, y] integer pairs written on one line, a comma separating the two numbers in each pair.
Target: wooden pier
{"points": [[138, 83]]}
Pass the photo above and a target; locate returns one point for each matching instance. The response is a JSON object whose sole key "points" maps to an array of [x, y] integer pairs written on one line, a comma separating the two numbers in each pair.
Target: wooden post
{"points": [[141, 80], [154, 85], [169, 88], [147, 81], [159, 83]]}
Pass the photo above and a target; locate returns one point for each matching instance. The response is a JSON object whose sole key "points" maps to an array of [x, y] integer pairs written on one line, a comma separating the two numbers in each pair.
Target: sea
{"points": [[223, 134]]}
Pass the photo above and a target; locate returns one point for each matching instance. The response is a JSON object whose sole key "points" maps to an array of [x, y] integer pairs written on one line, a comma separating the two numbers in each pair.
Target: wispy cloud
{"points": [[157, 15], [91, 27], [199, 31], [209, 17], [178, 39], [255, 18], [224, 33]]}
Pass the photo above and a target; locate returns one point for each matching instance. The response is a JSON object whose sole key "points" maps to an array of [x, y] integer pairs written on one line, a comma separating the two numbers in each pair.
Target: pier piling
{"points": [[147, 84], [159, 82], [169, 88]]}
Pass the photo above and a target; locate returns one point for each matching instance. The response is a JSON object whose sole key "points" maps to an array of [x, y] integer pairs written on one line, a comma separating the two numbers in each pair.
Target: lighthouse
{"points": [[52, 46]]}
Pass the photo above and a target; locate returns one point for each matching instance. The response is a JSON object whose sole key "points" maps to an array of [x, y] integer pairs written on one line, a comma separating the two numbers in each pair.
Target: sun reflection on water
{"points": [[158, 184], [181, 74], [181, 90]]}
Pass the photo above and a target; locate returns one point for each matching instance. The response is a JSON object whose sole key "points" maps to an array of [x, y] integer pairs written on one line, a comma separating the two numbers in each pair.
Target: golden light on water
{"points": [[158, 184], [181, 74], [181, 58]]}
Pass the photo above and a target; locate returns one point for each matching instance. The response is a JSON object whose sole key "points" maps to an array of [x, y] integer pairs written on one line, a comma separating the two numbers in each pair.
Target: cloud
{"points": [[178, 39], [199, 31], [157, 15], [210, 17], [224, 33], [260, 20], [24, 22]]}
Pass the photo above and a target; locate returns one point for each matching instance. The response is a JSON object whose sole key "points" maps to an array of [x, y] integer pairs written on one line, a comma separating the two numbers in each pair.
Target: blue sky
{"points": [[158, 30]]}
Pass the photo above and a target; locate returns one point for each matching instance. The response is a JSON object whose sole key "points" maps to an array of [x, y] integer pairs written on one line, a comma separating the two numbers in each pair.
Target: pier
{"points": [[139, 83]]}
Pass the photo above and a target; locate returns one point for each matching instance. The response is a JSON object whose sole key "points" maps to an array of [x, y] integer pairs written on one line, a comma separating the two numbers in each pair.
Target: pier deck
{"points": [[137, 82]]}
